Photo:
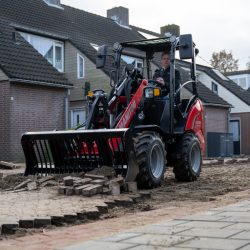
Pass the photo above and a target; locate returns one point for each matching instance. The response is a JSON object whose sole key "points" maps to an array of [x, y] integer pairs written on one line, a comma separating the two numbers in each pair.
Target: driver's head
{"points": [[165, 59]]}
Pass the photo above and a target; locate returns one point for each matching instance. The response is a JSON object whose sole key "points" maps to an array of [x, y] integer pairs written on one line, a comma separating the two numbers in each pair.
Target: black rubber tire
{"points": [[188, 167], [149, 149]]}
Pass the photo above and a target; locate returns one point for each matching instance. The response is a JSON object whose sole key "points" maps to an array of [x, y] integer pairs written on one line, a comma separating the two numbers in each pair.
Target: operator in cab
{"points": [[162, 76]]}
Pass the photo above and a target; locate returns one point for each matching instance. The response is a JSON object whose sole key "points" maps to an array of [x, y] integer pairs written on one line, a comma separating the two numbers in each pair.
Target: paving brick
{"points": [[7, 165], [57, 220], [120, 237], [26, 223], [22, 185], [234, 219], [123, 201], [94, 245], [42, 222], [45, 179], [98, 181], [82, 215], [68, 181], [95, 177], [212, 243], [70, 218], [9, 228], [214, 233], [242, 226], [32, 186], [92, 214], [207, 224], [69, 191], [144, 247], [156, 240], [61, 190], [82, 182], [92, 190], [161, 230], [111, 203], [78, 190], [103, 209], [247, 247], [242, 236], [50, 183]]}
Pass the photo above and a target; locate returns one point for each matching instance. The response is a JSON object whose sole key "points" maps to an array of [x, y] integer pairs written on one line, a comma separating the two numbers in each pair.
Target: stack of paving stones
{"points": [[88, 186], [95, 184], [226, 161]]}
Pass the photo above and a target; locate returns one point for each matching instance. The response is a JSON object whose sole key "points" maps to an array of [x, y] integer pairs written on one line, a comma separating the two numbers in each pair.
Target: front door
{"points": [[78, 117], [234, 128]]}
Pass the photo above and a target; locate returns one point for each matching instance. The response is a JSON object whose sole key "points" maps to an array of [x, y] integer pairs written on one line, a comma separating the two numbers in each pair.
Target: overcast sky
{"points": [[215, 24]]}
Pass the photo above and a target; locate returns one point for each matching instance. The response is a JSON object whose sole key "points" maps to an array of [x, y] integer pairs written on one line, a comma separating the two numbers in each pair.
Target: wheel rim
{"points": [[195, 158], [156, 161]]}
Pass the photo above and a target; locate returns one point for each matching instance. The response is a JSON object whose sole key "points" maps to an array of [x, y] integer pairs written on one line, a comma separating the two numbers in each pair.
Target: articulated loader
{"points": [[133, 129]]}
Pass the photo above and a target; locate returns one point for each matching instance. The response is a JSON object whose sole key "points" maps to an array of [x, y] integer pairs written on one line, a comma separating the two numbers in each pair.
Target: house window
{"points": [[80, 66], [215, 88], [137, 62], [243, 83], [52, 50]]}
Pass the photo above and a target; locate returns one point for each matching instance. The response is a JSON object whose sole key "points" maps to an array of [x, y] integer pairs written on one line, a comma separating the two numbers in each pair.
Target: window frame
{"points": [[58, 44], [79, 56], [55, 43], [212, 88]]}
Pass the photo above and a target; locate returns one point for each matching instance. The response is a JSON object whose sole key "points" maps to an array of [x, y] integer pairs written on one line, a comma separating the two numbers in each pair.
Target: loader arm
{"points": [[132, 107]]}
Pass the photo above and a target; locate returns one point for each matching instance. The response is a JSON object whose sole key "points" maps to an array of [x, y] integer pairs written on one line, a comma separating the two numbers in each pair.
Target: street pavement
{"points": [[224, 228]]}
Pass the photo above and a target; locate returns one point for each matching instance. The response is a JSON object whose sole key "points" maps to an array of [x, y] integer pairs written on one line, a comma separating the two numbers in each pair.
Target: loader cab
{"points": [[172, 114], [167, 112]]}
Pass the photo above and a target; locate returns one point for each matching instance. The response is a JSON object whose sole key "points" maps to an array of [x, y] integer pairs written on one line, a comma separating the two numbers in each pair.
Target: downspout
{"points": [[228, 119], [67, 109]]}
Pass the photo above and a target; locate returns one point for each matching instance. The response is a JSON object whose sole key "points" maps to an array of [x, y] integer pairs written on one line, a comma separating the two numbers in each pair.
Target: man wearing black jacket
{"points": [[162, 76]]}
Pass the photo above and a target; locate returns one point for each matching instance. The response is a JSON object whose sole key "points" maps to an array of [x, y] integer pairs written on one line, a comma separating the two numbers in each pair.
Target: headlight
{"points": [[152, 92], [90, 94]]}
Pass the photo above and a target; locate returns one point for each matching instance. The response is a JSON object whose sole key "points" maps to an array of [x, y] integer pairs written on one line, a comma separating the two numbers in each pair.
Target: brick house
{"points": [[64, 39], [238, 97], [30, 88]]}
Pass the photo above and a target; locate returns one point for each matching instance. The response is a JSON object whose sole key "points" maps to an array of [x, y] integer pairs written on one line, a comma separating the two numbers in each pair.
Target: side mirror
{"points": [[101, 56], [186, 47]]}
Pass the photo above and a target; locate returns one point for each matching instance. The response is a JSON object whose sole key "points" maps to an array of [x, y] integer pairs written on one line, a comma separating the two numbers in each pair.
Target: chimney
{"points": [[171, 28], [119, 14]]}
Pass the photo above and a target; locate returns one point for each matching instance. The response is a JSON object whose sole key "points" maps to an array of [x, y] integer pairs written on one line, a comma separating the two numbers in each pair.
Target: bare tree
{"points": [[224, 61]]}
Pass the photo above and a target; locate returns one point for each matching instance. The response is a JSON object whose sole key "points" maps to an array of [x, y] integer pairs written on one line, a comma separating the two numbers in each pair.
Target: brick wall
{"points": [[4, 120], [31, 108]]}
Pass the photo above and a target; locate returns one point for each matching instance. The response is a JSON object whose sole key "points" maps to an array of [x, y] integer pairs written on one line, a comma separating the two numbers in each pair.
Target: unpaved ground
{"points": [[172, 197], [213, 181]]}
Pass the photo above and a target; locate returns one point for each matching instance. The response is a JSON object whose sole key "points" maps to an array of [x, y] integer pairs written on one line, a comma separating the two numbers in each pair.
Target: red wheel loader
{"points": [[133, 129]]}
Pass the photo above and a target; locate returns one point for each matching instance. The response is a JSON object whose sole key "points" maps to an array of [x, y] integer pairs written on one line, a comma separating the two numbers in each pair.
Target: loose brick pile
{"points": [[89, 185]]}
